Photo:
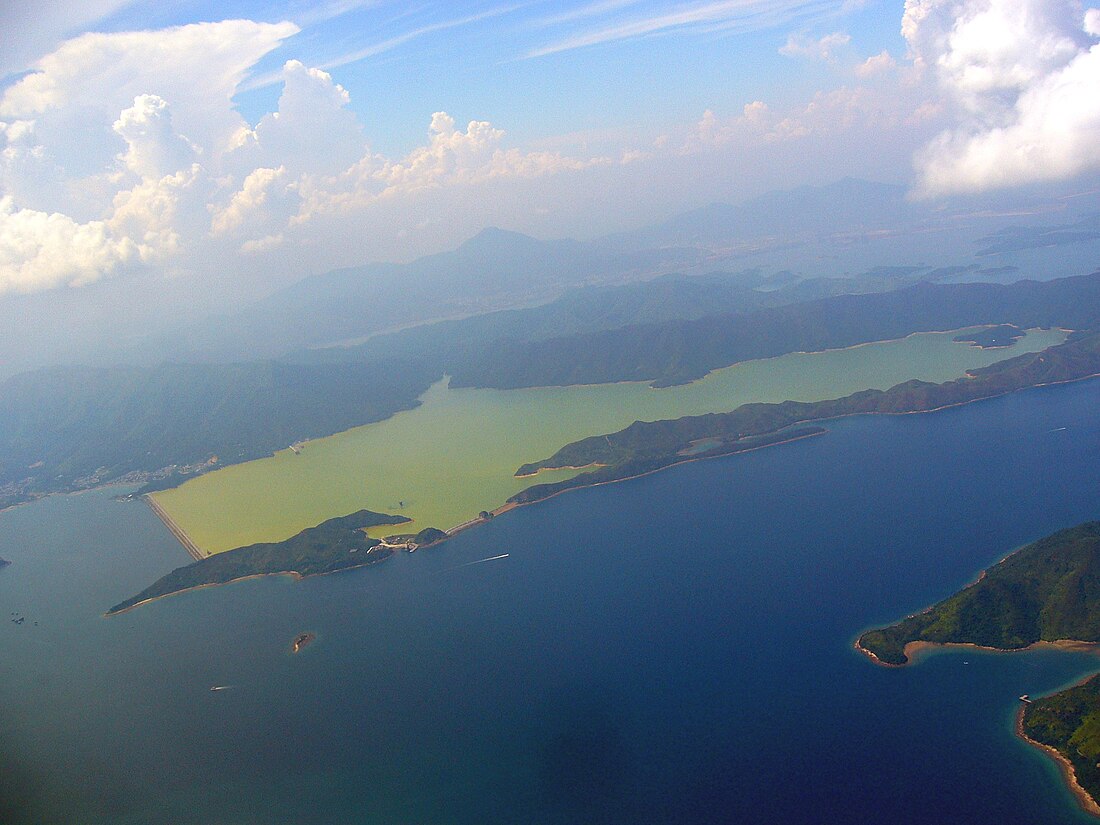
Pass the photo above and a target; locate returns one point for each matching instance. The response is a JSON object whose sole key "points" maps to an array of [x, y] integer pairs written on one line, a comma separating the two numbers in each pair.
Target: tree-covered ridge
{"points": [[75, 427], [683, 351], [1069, 722], [1077, 358], [1046, 591], [67, 428], [336, 544]]}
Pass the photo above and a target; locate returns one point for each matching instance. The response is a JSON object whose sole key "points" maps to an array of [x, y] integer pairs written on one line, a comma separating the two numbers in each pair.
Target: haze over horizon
{"points": [[311, 312], [222, 142]]}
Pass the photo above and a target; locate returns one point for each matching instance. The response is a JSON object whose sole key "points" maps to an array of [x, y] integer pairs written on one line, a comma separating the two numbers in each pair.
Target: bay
{"points": [[675, 648]]}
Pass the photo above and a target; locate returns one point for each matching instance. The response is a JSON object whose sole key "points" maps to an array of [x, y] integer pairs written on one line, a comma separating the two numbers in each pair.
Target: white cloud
{"points": [[829, 113], [876, 64], [160, 214], [1023, 76], [154, 148], [825, 48], [76, 92], [312, 130], [724, 15], [39, 250], [452, 157], [126, 150], [265, 201]]}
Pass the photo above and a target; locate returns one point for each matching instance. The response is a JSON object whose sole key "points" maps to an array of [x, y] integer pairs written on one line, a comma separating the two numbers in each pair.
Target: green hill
{"points": [[72, 427], [1069, 722], [75, 427], [677, 352], [336, 544], [1047, 591], [653, 444]]}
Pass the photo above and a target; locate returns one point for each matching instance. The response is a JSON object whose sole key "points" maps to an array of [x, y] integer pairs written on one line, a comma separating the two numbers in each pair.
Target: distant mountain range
{"points": [[846, 206], [851, 228], [73, 427], [495, 269]]}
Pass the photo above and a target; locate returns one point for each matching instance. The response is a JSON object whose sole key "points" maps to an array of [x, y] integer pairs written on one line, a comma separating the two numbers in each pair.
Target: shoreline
{"points": [[293, 574], [915, 650], [504, 508], [188, 544], [828, 350], [629, 381], [1069, 774], [595, 465], [196, 553], [842, 416], [686, 460]]}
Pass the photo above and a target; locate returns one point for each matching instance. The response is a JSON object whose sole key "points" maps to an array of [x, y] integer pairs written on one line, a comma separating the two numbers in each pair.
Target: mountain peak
{"points": [[492, 236]]}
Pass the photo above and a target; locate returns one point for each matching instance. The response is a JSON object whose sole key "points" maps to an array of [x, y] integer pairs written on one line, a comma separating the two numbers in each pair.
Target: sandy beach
{"points": [[914, 651], [1083, 797]]}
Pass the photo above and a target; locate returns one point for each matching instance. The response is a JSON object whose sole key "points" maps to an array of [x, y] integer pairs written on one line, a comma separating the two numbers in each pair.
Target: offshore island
{"points": [[1046, 593]]}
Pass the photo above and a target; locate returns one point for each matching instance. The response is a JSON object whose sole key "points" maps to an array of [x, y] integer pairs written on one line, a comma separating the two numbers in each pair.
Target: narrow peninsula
{"points": [[337, 544], [1047, 593], [646, 446]]}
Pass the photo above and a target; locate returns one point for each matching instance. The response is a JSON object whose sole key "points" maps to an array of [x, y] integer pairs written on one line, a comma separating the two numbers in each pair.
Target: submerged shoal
{"points": [[456, 454]]}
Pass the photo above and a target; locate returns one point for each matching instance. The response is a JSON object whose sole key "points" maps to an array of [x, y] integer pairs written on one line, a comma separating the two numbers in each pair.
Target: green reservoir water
{"points": [[671, 650], [455, 454]]}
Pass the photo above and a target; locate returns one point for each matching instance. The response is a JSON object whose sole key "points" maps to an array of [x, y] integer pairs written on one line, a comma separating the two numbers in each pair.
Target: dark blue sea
{"points": [[673, 649]]}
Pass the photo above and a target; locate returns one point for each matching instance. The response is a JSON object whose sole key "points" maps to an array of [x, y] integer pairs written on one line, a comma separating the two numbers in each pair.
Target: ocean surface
{"points": [[672, 649]]}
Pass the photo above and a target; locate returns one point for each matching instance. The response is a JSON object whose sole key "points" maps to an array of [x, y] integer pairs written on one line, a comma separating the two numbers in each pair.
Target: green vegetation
{"points": [[1069, 722], [70, 428], [659, 443], [337, 544], [682, 351], [456, 454], [1047, 591], [631, 463], [1001, 335], [76, 427], [429, 535]]}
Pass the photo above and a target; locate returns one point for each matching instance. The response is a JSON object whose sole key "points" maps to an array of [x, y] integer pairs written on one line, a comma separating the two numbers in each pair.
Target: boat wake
{"points": [[477, 561]]}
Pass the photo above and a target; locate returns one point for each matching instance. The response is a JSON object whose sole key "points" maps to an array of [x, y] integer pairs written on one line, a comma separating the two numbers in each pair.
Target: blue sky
{"points": [[650, 65], [239, 143]]}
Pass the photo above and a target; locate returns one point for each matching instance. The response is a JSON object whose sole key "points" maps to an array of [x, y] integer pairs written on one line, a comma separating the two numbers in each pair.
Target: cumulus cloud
{"points": [[876, 64], [75, 93], [312, 130], [159, 213], [825, 48], [828, 113], [39, 250], [451, 157], [1022, 76], [264, 203], [125, 150], [154, 147]]}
